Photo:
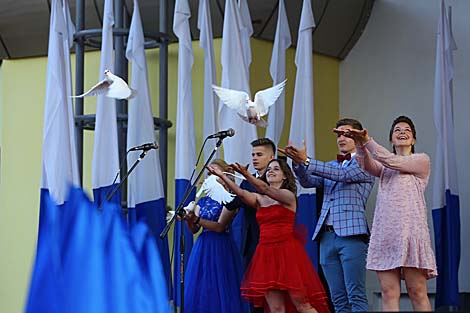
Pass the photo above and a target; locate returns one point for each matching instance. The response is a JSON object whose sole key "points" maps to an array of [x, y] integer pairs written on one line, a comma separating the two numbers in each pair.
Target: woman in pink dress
{"points": [[280, 277], [400, 244]]}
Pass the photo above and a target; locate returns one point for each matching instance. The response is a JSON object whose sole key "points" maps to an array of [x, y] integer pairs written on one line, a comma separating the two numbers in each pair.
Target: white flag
{"points": [[145, 184], [185, 156], [282, 42], [59, 161], [302, 127], [302, 122], [446, 204], [210, 99], [246, 31], [234, 76], [59, 165], [145, 196], [105, 163]]}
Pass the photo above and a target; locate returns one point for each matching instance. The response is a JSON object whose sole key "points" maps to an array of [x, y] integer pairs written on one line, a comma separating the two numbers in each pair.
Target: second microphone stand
{"points": [[181, 212], [142, 155]]}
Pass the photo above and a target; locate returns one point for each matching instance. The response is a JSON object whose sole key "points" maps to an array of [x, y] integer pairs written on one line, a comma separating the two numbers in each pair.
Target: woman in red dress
{"points": [[280, 277]]}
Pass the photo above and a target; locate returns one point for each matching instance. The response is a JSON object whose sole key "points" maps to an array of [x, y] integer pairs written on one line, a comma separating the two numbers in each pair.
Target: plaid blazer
{"points": [[346, 189]]}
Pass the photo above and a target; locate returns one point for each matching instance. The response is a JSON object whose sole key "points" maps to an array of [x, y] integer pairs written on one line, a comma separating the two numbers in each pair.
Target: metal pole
{"points": [[163, 114], [79, 76], [120, 68], [163, 89]]}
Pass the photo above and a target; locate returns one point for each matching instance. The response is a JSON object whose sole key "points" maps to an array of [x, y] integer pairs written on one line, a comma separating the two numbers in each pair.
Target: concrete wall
{"points": [[390, 72]]}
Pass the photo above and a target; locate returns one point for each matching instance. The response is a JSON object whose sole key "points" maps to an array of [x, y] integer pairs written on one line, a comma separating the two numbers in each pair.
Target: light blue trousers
{"points": [[343, 260]]}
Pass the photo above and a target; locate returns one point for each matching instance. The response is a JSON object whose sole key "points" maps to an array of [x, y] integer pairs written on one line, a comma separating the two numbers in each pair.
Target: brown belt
{"points": [[328, 228]]}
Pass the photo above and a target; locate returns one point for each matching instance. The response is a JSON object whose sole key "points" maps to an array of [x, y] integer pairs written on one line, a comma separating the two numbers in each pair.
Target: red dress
{"points": [[280, 262]]}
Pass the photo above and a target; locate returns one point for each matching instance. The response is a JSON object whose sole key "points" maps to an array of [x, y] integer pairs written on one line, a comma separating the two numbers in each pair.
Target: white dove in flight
{"points": [[111, 86], [250, 111]]}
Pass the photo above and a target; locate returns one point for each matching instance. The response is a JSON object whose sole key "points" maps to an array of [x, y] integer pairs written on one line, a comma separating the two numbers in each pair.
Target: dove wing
{"points": [[206, 185], [267, 97], [215, 190], [219, 193], [98, 89], [234, 99]]}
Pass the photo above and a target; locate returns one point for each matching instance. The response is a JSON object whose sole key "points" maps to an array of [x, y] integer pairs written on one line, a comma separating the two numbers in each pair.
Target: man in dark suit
{"points": [[244, 226]]}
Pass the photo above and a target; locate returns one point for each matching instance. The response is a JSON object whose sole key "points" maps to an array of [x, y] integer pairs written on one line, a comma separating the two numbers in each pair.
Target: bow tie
{"points": [[341, 157]]}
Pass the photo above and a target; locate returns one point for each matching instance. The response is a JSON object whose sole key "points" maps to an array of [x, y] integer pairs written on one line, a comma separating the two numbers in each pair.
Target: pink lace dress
{"points": [[400, 233]]}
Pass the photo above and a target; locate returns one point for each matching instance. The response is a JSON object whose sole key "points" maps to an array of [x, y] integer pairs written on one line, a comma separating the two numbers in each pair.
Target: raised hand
{"points": [[215, 170], [190, 216], [360, 137], [242, 169], [298, 155]]}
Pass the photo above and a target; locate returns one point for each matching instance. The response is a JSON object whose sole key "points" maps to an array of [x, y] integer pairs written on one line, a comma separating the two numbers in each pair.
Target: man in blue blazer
{"points": [[342, 226]]}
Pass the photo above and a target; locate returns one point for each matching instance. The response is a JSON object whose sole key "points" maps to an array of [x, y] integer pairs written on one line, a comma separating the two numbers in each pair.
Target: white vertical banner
{"points": [[206, 40], [59, 164], [59, 157], [246, 31], [145, 196], [185, 156], [277, 68], [235, 76], [105, 163], [446, 202], [302, 122]]}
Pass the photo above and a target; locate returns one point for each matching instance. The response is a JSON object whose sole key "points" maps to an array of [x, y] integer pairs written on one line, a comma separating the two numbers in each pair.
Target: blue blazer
{"points": [[346, 189]]}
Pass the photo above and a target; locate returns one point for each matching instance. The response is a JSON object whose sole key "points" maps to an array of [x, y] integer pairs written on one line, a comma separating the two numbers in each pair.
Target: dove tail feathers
{"points": [[133, 93], [261, 123]]}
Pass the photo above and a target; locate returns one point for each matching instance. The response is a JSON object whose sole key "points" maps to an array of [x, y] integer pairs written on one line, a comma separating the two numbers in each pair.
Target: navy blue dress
{"points": [[214, 270]]}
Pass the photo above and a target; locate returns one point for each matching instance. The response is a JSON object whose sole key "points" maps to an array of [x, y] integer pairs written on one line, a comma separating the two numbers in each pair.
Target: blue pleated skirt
{"points": [[213, 276]]}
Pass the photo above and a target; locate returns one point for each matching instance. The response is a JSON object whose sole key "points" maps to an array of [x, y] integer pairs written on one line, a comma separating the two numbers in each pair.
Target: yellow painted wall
{"points": [[22, 88]]}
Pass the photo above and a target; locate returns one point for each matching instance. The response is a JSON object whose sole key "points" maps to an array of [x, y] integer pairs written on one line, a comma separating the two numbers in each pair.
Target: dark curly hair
{"points": [[289, 182], [407, 120]]}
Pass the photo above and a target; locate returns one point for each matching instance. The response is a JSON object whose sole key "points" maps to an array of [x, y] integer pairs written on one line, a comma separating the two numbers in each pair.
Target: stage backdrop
{"points": [[390, 72], [22, 89]]}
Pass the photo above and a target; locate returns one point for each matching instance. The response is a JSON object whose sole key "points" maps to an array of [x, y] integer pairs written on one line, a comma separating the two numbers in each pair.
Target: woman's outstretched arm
{"points": [[283, 196]]}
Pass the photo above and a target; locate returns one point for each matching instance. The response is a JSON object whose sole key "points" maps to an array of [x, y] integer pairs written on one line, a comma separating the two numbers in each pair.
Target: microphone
{"points": [[145, 147], [222, 134]]}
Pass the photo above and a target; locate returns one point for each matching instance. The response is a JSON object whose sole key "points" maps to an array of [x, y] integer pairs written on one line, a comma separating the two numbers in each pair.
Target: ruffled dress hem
{"points": [[281, 263], [257, 294], [430, 272]]}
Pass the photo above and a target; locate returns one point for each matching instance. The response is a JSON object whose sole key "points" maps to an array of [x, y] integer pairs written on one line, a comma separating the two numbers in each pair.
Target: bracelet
{"points": [[197, 220]]}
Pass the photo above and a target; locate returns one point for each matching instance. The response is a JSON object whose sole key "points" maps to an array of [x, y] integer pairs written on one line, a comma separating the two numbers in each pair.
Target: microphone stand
{"points": [[142, 155], [181, 212]]}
